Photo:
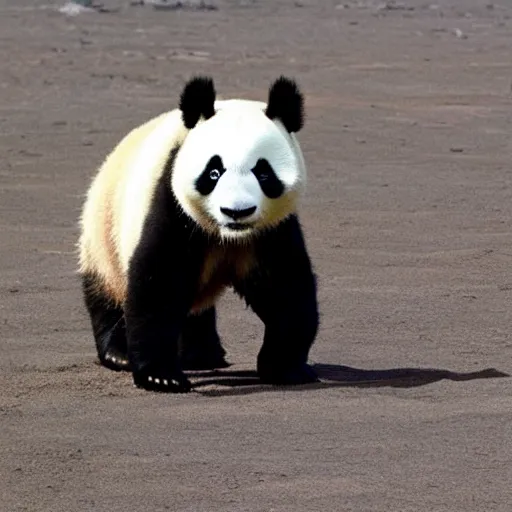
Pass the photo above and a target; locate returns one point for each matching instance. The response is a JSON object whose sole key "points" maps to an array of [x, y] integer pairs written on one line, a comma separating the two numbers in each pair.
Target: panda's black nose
{"points": [[238, 214]]}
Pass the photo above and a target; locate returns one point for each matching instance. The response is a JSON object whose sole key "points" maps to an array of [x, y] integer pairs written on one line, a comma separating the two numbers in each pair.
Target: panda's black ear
{"points": [[285, 102], [197, 99]]}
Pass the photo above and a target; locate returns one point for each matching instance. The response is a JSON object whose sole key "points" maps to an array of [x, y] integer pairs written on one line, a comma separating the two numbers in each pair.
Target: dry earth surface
{"points": [[407, 217]]}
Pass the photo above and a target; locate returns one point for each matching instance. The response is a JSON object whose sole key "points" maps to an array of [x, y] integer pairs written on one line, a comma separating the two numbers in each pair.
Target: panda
{"points": [[196, 200]]}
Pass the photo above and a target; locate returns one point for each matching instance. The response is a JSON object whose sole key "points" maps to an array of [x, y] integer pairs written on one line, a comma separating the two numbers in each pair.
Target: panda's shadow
{"points": [[239, 382]]}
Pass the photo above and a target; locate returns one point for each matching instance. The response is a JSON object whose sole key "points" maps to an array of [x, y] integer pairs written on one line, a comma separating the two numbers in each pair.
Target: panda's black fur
{"points": [[152, 333]]}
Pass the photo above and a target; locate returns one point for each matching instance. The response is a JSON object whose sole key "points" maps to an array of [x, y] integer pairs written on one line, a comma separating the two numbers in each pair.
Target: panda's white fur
{"points": [[120, 196]]}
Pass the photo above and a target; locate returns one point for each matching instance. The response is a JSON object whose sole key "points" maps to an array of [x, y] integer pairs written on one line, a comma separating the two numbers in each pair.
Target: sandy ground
{"points": [[407, 217]]}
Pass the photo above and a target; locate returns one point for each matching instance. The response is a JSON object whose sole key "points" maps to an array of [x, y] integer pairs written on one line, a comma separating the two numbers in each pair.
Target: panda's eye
{"points": [[263, 176], [214, 174]]}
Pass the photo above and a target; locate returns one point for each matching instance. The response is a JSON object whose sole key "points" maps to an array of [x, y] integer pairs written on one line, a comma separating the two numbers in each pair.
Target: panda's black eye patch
{"points": [[210, 176], [270, 184]]}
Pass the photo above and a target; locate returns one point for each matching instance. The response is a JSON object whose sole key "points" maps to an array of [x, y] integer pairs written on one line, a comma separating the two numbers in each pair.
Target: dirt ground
{"points": [[407, 218]]}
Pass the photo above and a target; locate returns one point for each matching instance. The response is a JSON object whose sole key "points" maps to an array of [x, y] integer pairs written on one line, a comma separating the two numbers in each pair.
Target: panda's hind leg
{"points": [[108, 325], [199, 345]]}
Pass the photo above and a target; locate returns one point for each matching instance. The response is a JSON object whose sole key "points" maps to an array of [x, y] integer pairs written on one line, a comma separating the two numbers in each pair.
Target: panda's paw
{"points": [[287, 376], [163, 382], [115, 360]]}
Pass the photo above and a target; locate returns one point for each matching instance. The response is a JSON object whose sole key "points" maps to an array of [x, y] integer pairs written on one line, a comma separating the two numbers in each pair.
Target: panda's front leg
{"points": [[290, 330], [161, 284], [282, 292], [155, 315]]}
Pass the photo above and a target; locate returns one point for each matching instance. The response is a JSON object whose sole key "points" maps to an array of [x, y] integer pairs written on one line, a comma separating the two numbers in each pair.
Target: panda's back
{"points": [[119, 199]]}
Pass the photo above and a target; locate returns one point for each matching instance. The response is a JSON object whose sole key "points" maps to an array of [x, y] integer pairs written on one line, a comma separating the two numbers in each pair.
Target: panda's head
{"points": [[240, 169]]}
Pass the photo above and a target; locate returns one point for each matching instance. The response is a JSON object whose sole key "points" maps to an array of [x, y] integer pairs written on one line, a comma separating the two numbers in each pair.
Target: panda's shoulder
{"points": [[158, 135]]}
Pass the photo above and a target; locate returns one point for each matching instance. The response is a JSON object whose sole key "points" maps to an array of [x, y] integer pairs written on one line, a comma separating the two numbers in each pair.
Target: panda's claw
{"points": [[115, 361], [179, 384]]}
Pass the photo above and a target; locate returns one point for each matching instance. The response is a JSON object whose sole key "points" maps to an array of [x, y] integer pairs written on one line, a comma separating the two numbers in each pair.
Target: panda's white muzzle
{"points": [[235, 200]]}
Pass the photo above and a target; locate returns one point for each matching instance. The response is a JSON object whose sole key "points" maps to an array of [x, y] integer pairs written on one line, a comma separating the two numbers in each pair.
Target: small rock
{"points": [[74, 9], [174, 5], [391, 5]]}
